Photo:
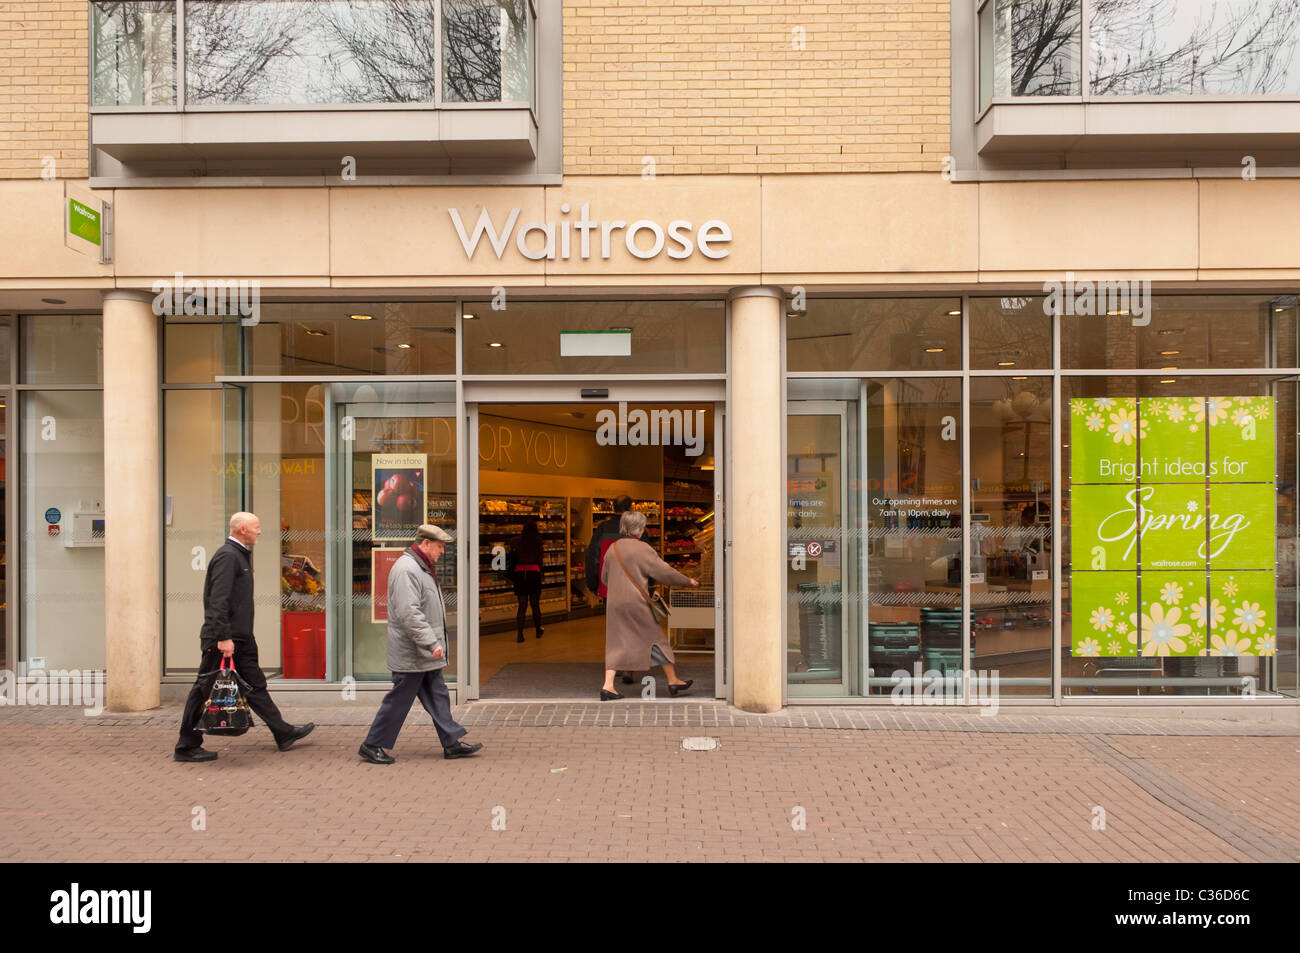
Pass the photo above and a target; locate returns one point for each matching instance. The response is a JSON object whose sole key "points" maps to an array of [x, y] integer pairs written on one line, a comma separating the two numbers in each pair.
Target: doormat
{"points": [[583, 679]]}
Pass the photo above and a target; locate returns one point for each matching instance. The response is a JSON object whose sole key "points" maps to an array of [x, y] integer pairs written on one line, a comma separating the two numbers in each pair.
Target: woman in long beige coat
{"points": [[634, 640]]}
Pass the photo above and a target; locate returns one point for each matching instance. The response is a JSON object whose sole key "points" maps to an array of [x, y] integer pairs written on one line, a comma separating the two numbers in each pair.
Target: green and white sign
{"points": [[84, 222], [1173, 526]]}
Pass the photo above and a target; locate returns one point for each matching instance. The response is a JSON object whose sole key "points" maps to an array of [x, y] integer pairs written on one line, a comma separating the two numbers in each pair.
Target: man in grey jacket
{"points": [[417, 652]]}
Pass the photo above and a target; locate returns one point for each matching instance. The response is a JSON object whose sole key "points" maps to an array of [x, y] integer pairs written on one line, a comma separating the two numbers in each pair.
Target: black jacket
{"points": [[606, 530], [228, 596]]}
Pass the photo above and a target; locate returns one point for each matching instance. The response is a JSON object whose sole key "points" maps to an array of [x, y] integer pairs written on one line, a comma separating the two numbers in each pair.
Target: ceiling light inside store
{"points": [[954, 314], [495, 344], [1170, 368], [470, 317], [1169, 353], [362, 317], [315, 332], [1171, 331], [1168, 380], [404, 347], [1006, 363], [1020, 378], [1114, 314], [934, 350]]}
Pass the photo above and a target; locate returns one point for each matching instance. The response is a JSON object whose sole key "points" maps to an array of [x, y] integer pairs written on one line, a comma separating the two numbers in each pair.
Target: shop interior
{"points": [[563, 466]]}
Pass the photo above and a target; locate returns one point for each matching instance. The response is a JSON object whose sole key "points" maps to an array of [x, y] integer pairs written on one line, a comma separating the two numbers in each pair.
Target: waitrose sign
{"points": [[1173, 526], [581, 236]]}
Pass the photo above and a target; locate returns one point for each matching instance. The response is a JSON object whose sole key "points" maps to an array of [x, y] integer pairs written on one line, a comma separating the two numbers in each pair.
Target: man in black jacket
{"points": [[228, 633]]}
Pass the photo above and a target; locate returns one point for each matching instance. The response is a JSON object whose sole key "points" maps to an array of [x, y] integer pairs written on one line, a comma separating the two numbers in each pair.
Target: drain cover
{"points": [[701, 743]]}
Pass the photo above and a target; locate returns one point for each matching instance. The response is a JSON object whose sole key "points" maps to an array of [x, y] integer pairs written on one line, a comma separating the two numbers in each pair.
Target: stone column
{"points": [[133, 502], [756, 508]]}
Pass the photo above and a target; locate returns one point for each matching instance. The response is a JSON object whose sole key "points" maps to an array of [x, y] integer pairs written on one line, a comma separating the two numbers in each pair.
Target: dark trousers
{"points": [[259, 699], [529, 593], [431, 689]]}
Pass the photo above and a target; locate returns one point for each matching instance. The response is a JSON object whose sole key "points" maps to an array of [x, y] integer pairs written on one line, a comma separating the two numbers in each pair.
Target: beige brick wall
{"points": [[43, 49], [703, 88], [721, 87]]}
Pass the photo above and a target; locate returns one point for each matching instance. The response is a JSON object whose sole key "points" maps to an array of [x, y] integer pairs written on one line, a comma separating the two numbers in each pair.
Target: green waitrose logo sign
{"points": [[84, 222], [1173, 535]]}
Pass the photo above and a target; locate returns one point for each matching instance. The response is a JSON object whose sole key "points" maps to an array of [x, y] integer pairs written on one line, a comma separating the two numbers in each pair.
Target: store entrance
{"points": [[568, 470]]}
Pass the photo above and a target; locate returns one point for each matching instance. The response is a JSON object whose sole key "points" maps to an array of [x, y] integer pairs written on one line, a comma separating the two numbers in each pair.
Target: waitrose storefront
{"points": [[916, 465]]}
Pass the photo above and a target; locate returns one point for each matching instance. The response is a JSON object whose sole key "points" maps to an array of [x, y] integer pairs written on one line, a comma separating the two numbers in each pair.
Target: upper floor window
{"points": [[311, 52], [1138, 48]]}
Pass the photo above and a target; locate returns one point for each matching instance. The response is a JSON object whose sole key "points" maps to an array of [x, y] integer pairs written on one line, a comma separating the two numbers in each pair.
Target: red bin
{"points": [[302, 644]]}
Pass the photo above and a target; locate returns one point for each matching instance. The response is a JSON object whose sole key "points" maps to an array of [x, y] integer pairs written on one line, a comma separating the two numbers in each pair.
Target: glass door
{"points": [[821, 563], [396, 468]]}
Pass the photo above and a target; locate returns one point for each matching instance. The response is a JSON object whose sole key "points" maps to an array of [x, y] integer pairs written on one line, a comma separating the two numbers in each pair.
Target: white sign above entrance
{"points": [[643, 239]]}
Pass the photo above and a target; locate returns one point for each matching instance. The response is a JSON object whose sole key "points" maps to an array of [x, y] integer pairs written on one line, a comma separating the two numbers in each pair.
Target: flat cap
{"points": [[429, 531]]}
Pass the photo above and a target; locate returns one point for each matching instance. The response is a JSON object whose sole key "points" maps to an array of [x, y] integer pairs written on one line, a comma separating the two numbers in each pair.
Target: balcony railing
{"points": [[1138, 49], [310, 53]]}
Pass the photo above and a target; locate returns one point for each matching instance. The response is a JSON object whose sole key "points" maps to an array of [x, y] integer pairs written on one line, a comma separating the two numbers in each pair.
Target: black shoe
{"points": [[194, 754], [539, 632], [681, 689], [521, 637], [627, 678], [375, 755], [461, 750], [302, 731], [609, 696]]}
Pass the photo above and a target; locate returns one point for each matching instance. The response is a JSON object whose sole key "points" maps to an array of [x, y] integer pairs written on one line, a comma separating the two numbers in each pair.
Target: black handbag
{"points": [[226, 711]]}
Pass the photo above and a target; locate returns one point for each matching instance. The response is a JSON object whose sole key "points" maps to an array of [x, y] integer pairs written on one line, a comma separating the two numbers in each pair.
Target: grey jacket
{"points": [[417, 620]]}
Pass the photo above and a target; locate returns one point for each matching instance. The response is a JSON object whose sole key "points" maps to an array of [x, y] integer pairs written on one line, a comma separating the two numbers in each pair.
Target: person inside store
{"points": [[1034, 552], [634, 637], [526, 576], [601, 538], [417, 651], [227, 633]]}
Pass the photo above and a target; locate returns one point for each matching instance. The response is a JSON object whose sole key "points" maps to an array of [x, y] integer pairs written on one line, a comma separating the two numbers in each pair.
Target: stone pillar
{"points": [[756, 508], [133, 502]]}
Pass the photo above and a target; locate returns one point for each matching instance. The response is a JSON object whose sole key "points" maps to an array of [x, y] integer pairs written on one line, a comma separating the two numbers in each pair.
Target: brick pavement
{"points": [[915, 786]]}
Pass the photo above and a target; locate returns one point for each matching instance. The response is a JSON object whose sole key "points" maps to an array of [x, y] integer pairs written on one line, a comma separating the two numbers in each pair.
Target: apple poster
{"points": [[401, 498]]}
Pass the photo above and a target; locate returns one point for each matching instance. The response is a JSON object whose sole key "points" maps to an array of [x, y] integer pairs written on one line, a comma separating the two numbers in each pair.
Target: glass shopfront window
{"points": [[595, 337], [61, 490], [62, 514], [1011, 530], [195, 522], [329, 339], [1174, 570], [1012, 333], [874, 566], [63, 349], [875, 334], [1181, 332], [1180, 558]]}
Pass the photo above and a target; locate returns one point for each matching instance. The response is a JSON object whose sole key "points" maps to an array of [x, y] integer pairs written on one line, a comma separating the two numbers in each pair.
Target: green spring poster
{"points": [[1172, 526]]}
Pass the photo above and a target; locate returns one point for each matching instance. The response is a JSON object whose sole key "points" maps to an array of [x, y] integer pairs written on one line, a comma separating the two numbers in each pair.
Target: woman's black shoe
{"points": [[681, 689], [521, 637], [609, 696]]}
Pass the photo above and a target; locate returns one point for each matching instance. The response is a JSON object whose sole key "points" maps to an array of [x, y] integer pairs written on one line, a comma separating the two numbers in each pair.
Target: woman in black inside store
{"points": [[527, 576]]}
